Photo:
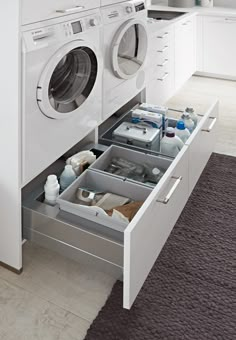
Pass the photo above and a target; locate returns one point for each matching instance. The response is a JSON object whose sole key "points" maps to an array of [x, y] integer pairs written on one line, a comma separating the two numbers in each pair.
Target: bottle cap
{"points": [[170, 132], [180, 125], [189, 109], [185, 115], [52, 179], [156, 171]]}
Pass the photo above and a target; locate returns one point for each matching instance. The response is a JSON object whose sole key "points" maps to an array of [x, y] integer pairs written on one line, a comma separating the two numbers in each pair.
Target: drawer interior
{"points": [[145, 164], [101, 183]]}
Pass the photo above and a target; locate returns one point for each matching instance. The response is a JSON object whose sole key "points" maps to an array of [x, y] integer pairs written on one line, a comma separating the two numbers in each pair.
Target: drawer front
{"points": [[34, 11], [151, 227], [160, 89], [201, 145]]}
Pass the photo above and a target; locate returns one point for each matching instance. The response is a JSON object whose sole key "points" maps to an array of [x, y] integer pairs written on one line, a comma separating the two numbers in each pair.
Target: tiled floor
{"points": [[57, 299]]}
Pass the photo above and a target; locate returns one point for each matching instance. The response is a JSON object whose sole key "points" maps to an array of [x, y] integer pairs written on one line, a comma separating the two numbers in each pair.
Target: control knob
{"points": [[129, 9], [93, 22]]}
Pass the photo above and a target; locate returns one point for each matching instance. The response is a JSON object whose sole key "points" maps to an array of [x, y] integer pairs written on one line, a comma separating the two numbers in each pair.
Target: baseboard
{"points": [[14, 270]]}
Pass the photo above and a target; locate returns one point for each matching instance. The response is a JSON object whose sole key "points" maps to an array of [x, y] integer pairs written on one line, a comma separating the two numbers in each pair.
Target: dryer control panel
{"points": [[122, 11]]}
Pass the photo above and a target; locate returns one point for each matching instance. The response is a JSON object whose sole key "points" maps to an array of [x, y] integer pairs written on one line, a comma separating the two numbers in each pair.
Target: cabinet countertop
{"points": [[211, 11]]}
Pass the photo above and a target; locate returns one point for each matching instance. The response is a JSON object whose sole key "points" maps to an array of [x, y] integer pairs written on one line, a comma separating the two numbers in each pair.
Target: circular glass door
{"points": [[129, 49], [70, 82]]}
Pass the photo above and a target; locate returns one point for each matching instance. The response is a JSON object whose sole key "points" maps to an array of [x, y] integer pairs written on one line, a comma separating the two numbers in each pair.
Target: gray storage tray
{"points": [[105, 183], [161, 162]]}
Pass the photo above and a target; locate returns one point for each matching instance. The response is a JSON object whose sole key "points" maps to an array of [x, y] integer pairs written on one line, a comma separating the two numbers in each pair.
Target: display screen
{"points": [[76, 27]]}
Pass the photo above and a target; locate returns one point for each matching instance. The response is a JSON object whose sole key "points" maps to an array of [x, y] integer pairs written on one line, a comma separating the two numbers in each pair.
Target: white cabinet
{"points": [[160, 84], [33, 10], [219, 48], [185, 50]]}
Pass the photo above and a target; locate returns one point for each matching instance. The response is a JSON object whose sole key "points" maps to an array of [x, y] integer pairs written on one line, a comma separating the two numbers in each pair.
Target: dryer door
{"points": [[67, 80], [129, 49]]}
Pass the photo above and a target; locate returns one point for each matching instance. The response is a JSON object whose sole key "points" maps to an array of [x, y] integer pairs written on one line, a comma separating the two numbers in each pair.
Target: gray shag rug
{"points": [[191, 290]]}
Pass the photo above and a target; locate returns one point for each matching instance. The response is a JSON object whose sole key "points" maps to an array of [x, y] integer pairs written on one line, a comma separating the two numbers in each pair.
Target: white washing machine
{"points": [[125, 43], [110, 2], [61, 90]]}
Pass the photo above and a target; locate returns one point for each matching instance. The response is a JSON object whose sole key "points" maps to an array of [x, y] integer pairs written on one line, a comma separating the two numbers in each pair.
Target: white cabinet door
{"points": [[201, 144], [185, 50], [219, 47], [152, 225]]}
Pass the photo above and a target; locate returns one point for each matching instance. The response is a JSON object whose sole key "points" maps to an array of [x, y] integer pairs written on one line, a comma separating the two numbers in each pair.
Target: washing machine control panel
{"points": [[39, 38]]}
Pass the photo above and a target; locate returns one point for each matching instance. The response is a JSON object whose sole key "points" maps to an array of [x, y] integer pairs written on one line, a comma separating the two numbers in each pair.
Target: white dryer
{"points": [[61, 90], [125, 43]]}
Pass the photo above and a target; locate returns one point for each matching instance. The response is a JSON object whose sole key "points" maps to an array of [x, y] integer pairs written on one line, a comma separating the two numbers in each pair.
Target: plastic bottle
{"points": [[51, 189], [181, 131], [189, 124], [67, 177], [192, 115], [170, 143]]}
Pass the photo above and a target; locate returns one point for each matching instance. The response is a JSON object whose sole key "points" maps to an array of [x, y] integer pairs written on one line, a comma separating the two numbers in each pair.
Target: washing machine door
{"points": [[67, 80], [129, 49]]}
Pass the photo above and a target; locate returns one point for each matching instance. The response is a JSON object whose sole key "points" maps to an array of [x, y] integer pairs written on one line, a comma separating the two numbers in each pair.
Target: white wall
{"points": [[10, 200]]}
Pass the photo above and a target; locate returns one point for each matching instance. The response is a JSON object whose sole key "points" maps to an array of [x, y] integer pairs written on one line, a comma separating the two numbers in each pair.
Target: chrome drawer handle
{"points": [[164, 63], [163, 36], [69, 10], [163, 50], [211, 126], [172, 190], [230, 19], [185, 24], [164, 77]]}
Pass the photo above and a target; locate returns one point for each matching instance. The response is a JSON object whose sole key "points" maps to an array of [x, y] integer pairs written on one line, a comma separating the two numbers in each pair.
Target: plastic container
{"points": [[51, 189], [189, 124], [170, 143], [181, 131], [67, 177], [192, 115]]}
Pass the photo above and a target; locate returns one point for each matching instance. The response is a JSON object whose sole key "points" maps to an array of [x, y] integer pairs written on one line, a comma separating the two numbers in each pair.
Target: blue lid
{"points": [[180, 125]]}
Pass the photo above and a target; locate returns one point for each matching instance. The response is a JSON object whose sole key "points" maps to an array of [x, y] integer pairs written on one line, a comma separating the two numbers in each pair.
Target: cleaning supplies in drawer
{"points": [[81, 160], [51, 189], [140, 135], [189, 124], [67, 177], [144, 173], [170, 143], [181, 131], [116, 218], [152, 118], [162, 110]]}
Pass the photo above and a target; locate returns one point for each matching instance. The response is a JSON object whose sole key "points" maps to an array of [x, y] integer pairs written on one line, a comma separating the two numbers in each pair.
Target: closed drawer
{"points": [[160, 89], [34, 11], [201, 144]]}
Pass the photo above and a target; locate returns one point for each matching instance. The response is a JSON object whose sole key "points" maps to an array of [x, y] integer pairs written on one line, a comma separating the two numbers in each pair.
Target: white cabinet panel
{"points": [[219, 48], [185, 50], [34, 10], [151, 227], [160, 84], [201, 144]]}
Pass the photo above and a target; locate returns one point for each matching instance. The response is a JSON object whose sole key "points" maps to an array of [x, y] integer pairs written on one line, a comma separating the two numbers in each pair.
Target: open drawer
{"points": [[128, 250]]}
